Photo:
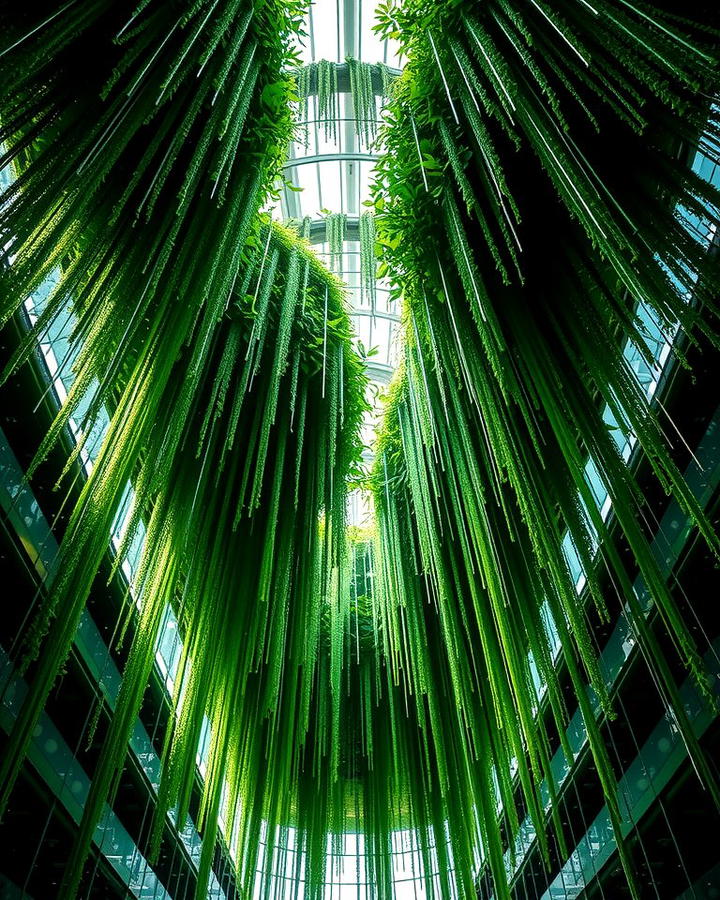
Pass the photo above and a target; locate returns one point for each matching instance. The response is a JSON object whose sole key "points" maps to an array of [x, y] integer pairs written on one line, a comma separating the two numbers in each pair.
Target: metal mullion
{"points": [[322, 157], [342, 194], [319, 184], [337, 13], [350, 34], [368, 313], [350, 29], [317, 147], [316, 130], [312, 34]]}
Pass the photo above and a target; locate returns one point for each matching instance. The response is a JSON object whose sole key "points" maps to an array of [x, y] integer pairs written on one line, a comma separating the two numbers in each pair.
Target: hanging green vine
{"points": [[276, 400], [363, 96], [362, 82], [511, 351], [335, 226], [368, 261], [221, 349]]}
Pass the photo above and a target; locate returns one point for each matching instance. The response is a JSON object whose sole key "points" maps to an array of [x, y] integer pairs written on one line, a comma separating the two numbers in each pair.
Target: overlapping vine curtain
{"points": [[144, 141], [520, 249]]}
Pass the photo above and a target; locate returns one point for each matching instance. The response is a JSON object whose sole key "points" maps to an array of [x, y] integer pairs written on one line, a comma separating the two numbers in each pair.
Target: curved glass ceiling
{"points": [[339, 28]]}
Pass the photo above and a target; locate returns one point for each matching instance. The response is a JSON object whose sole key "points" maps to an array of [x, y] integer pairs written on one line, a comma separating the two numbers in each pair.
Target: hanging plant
{"points": [[143, 201], [274, 400], [368, 263], [335, 226], [328, 109], [366, 82], [363, 99], [510, 338]]}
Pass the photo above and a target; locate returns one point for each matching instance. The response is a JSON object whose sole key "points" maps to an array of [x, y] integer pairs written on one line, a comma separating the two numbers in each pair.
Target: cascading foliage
{"points": [[335, 234], [515, 305], [353, 685], [235, 543], [335, 226], [141, 176], [365, 82], [368, 260]]}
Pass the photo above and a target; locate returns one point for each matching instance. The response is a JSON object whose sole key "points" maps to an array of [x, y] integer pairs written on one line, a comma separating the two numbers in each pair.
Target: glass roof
{"points": [[339, 28]]}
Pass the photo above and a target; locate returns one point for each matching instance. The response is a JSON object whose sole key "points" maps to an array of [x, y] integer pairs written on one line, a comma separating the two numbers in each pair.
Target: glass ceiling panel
{"points": [[326, 185], [329, 37], [322, 33], [308, 179]]}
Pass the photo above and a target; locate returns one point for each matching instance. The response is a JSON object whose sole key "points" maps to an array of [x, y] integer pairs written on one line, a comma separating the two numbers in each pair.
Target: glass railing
{"points": [[56, 763], [658, 760]]}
